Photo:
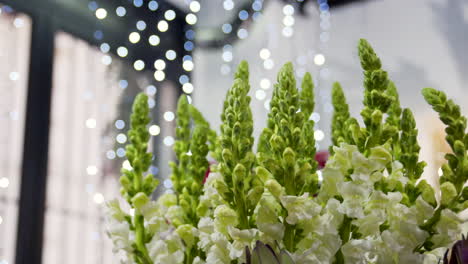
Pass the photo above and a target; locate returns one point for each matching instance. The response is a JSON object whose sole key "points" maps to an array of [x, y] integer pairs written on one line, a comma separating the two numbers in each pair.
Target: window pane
{"points": [[15, 31], [92, 98]]}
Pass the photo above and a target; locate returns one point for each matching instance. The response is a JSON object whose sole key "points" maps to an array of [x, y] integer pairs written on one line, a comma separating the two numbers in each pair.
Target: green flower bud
{"points": [[449, 192], [139, 200], [427, 192], [274, 188], [289, 157], [254, 195], [263, 174], [459, 148], [226, 215], [187, 233]]}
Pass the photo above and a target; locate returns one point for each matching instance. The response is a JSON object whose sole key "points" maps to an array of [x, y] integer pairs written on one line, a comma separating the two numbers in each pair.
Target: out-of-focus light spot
{"points": [[227, 28], [169, 15], [121, 11], [18, 22], [267, 104], [187, 88], [190, 34], [227, 56], [141, 25], [91, 170], [243, 15], [126, 165], [169, 116], [265, 53], [171, 55], [151, 103], [151, 90], [123, 84], [268, 64], [14, 76], [106, 60], [242, 33], [90, 123], [153, 5], [288, 10], [188, 45], [98, 198], [101, 13], [154, 130], [91, 5], [134, 37], [319, 135], [287, 31], [119, 124], [325, 24], [187, 65], [187, 57], [191, 19], [163, 26], [225, 69], [121, 138], [324, 36], [120, 152], [154, 40], [159, 64], [4, 182], [440, 172], [194, 6], [319, 59], [139, 65], [227, 47], [265, 83], [98, 34], [122, 51], [159, 75], [167, 184], [315, 117], [228, 4], [288, 21], [138, 3], [168, 141], [104, 47], [324, 7], [260, 94], [183, 79], [257, 5]]}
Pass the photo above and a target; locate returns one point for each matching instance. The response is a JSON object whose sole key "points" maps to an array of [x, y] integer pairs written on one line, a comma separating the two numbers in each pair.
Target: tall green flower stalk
{"points": [[454, 195], [235, 150], [136, 187], [191, 148], [287, 147], [341, 114]]}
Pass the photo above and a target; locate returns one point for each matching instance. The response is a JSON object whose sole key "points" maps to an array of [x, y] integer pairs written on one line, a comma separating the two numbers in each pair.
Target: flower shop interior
{"points": [[62, 61]]}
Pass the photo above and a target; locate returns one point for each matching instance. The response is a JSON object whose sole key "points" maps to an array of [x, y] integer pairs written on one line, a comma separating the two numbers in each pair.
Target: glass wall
{"points": [[15, 31]]}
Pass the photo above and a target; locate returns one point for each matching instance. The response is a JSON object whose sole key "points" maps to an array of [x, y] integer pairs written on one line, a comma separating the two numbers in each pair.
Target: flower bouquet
{"points": [[271, 206]]}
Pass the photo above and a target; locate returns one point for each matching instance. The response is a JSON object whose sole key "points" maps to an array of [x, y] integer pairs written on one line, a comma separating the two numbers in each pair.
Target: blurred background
{"points": [[69, 71]]}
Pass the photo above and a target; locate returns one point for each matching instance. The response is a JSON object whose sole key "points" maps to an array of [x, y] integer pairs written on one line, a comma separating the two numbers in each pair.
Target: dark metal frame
{"points": [[48, 17]]}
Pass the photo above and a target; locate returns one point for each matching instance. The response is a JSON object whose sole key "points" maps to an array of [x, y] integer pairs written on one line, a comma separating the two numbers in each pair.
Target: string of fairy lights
{"points": [[253, 12]]}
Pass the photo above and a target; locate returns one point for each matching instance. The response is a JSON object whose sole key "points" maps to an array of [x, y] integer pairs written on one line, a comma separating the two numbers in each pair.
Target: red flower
{"points": [[321, 157]]}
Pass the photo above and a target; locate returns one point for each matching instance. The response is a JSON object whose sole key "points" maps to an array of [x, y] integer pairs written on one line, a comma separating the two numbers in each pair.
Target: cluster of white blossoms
{"points": [[387, 230], [269, 207]]}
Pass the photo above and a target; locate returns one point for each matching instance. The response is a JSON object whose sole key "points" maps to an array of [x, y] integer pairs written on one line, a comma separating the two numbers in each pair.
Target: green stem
{"points": [[140, 237], [242, 212], [289, 234]]}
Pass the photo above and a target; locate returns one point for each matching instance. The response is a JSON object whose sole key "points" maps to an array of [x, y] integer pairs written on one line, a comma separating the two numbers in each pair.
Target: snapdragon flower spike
{"points": [[455, 172], [235, 148], [181, 145], [341, 114], [377, 100], [289, 145], [137, 188], [394, 119]]}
